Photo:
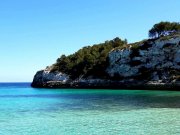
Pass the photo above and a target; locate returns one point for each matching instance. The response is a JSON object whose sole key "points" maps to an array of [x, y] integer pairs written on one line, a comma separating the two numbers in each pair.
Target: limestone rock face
{"points": [[44, 77], [153, 60]]}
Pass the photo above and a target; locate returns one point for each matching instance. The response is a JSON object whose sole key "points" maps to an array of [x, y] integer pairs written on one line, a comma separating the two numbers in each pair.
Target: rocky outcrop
{"points": [[151, 64], [45, 78], [159, 57]]}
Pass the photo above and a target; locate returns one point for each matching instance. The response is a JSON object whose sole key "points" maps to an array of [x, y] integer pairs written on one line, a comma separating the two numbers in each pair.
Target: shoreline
{"points": [[120, 86]]}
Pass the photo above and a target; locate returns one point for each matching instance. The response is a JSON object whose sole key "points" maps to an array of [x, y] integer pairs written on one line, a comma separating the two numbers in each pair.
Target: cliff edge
{"points": [[149, 64]]}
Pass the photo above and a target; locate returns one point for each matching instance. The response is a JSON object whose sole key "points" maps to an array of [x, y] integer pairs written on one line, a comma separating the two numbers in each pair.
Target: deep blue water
{"points": [[29, 111]]}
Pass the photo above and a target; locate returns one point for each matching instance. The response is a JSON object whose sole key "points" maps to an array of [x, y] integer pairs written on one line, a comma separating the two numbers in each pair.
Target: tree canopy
{"points": [[164, 28], [90, 60]]}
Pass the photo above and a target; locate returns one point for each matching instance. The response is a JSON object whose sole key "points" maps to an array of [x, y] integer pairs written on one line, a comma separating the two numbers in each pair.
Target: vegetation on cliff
{"points": [[163, 29], [91, 61]]}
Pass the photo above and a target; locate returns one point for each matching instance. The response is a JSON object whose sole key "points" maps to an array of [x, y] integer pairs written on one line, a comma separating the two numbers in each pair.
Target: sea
{"points": [[34, 111]]}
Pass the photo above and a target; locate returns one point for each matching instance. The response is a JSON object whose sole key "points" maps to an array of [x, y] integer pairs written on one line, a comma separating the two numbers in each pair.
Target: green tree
{"points": [[164, 28]]}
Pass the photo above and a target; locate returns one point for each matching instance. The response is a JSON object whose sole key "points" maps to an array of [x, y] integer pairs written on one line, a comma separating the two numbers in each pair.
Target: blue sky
{"points": [[34, 33]]}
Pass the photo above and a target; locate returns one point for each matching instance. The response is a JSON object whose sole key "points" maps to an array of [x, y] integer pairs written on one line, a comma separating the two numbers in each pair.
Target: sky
{"points": [[34, 33]]}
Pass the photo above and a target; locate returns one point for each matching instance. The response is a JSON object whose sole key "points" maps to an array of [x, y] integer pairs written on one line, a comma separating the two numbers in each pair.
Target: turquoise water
{"points": [[28, 111]]}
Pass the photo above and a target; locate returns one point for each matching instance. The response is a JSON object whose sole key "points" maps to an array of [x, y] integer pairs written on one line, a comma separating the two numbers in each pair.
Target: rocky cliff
{"points": [[149, 64]]}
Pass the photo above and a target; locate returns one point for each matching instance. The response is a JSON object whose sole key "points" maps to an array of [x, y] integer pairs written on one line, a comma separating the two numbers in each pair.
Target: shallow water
{"points": [[28, 111]]}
